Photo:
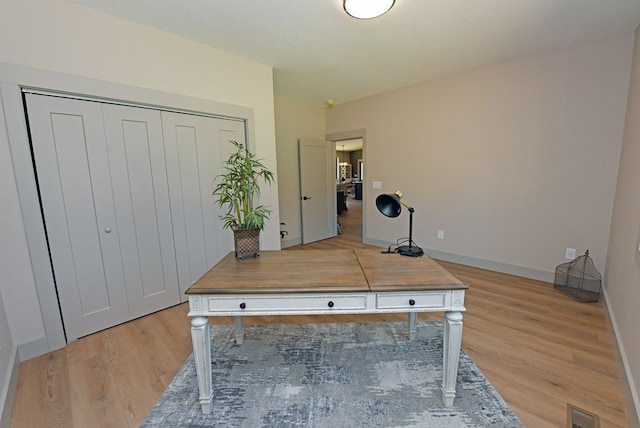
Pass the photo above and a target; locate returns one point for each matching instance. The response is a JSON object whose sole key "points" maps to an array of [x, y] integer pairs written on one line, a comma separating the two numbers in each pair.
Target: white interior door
{"points": [[196, 149], [317, 189], [72, 164]]}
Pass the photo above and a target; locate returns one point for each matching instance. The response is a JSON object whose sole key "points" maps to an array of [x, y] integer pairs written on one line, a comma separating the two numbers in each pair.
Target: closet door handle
{"points": [[107, 230]]}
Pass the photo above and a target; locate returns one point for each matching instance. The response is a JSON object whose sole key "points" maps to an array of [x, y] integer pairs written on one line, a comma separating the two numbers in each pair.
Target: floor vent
{"points": [[578, 418]]}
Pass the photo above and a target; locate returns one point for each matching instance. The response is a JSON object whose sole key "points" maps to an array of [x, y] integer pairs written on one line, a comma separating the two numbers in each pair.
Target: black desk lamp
{"points": [[391, 206]]}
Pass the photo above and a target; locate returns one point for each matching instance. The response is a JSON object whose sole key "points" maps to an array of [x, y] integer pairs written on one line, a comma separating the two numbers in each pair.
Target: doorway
{"points": [[350, 170]]}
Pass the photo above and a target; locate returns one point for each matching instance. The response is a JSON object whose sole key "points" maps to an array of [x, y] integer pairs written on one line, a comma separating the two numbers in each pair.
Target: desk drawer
{"points": [[262, 304], [411, 300]]}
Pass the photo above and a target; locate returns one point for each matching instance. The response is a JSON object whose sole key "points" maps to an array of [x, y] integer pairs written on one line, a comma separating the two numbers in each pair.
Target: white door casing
{"points": [[8, 356], [317, 189]]}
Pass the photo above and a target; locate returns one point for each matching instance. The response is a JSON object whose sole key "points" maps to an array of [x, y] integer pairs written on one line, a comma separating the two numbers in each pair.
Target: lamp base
{"points": [[412, 251]]}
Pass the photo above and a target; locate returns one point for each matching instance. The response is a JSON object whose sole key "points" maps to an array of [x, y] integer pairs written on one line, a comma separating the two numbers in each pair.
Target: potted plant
{"points": [[237, 189]]}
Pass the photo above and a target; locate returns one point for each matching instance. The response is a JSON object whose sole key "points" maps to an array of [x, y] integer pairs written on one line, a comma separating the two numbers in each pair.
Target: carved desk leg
{"points": [[201, 338], [412, 325], [451, 355], [239, 329]]}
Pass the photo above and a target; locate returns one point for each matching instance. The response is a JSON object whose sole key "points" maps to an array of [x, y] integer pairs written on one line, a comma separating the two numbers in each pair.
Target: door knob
{"points": [[107, 230], [304, 198]]}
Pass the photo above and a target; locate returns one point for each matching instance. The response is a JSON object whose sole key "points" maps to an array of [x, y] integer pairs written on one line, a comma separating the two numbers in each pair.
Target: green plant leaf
{"points": [[239, 186]]}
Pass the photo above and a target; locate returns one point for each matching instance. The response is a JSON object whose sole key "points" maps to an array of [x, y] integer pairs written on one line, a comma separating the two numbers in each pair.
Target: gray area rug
{"points": [[331, 375]]}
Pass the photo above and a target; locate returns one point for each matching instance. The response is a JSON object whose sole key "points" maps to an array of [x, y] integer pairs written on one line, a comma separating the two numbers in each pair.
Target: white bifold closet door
{"points": [[141, 197], [127, 202], [196, 148], [71, 157], [104, 191]]}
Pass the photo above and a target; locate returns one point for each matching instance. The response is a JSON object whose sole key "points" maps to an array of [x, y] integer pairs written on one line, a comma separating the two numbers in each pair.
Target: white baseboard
{"points": [[8, 391], [537, 274], [632, 401], [290, 242], [526, 272], [32, 349]]}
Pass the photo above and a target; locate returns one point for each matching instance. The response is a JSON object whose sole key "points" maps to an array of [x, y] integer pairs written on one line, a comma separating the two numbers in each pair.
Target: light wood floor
{"points": [[538, 347]]}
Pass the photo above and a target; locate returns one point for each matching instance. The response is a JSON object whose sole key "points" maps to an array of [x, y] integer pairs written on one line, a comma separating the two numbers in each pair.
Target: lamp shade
{"points": [[389, 205], [367, 9]]}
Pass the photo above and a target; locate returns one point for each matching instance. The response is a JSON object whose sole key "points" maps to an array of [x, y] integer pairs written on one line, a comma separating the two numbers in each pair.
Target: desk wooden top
{"points": [[284, 272], [395, 272], [329, 271]]}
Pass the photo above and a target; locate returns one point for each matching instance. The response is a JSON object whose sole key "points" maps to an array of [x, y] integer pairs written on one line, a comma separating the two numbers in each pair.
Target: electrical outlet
{"points": [[570, 253], [377, 184], [441, 234]]}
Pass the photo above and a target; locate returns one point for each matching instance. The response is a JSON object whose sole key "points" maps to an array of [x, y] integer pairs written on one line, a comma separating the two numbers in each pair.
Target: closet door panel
{"points": [[194, 159], [71, 160], [181, 137], [225, 131], [211, 156], [136, 156]]}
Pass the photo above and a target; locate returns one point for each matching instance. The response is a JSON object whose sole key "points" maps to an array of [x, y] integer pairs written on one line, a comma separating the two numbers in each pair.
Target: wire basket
{"points": [[247, 242], [579, 279]]}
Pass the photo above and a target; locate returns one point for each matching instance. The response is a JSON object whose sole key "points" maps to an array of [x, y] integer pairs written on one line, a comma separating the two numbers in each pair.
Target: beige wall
{"points": [[622, 280], [515, 162], [294, 120], [57, 37]]}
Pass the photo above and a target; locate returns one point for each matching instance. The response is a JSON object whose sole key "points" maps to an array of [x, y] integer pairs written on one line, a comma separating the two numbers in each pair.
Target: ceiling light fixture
{"points": [[367, 9]]}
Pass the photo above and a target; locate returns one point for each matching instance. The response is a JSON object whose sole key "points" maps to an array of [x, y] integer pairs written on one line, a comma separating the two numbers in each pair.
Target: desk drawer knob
{"points": [[412, 302], [243, 305], [330, 304]]}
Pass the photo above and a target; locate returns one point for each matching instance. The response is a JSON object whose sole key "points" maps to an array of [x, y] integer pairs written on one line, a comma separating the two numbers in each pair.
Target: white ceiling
{"points": [[320, 53], [349, 145]]}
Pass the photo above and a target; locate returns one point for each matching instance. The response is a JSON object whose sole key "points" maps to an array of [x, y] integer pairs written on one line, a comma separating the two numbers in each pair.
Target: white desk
{"points": [[361, 281]]}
